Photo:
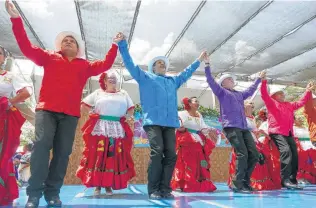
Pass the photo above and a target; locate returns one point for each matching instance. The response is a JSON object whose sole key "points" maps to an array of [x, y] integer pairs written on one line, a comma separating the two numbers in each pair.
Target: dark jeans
{"points": [[52, 131], [288, 155], [163, 158], [247, 154]]}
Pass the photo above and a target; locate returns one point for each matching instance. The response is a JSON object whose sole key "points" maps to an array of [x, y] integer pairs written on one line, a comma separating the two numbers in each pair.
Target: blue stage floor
{"points": [[135, 196]]}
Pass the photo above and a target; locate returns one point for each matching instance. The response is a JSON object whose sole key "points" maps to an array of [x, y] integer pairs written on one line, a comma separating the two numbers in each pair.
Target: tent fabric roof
{"points": [[243, 37]]}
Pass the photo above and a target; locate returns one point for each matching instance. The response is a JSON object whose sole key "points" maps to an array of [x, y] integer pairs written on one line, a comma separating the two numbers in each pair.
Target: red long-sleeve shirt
{"points": [[281, 114], [63, 80]]}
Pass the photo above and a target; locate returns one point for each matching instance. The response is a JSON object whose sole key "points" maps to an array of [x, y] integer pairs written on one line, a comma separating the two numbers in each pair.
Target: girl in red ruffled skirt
{"points": [[194, 142], [108, 138], [11, 122], [306, 154]]}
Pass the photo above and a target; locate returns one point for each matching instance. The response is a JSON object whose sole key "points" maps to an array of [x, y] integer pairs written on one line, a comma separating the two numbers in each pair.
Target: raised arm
{"points": [[216, 88], [187, 73], [184, 76], [34, 53], [251, 90], [269, 102], [98, 67], [136, 72], [303, 100], [309, 108]]}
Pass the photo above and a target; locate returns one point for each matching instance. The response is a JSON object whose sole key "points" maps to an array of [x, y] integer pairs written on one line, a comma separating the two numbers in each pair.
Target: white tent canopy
{"points": [[243, 37]]}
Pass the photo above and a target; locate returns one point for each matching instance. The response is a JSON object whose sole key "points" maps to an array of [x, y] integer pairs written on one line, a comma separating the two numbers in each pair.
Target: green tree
{"points": [[28, 133]]}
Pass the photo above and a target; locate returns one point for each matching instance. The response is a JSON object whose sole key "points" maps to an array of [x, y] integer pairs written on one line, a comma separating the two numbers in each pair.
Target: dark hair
{"points": [[186, 102], [4, 51], [191, 98]]}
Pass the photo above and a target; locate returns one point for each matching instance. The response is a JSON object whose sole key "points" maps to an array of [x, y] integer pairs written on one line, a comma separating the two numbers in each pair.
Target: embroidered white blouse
{"points": [[11, 82], [303, 133], [109, 104], [194, 123]]}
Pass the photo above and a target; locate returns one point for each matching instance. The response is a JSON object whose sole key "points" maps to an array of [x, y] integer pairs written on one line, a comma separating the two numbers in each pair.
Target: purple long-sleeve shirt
{"points": [[231, 101]]}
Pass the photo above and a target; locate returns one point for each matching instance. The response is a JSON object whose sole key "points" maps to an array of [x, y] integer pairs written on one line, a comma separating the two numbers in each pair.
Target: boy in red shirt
{"points": [[58, 108], [280, 121]]}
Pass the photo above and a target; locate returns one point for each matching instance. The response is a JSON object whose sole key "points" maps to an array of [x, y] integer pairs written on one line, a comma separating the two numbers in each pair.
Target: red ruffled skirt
{"points": [[191, 173], [11, 122], [266, 176], [306, 163], [106, 162]]}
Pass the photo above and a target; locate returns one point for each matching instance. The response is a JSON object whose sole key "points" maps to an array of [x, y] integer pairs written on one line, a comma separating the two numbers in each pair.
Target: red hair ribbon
{"points": [[186, 104]]}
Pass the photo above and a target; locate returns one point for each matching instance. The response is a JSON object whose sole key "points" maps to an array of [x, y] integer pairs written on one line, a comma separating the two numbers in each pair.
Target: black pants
{"points": [[288, 155], [247, 154], [52, 131], [163, 158]]}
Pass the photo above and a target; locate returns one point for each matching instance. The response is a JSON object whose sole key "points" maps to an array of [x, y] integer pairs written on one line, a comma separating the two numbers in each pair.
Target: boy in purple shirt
{"points": [[235, 125]]}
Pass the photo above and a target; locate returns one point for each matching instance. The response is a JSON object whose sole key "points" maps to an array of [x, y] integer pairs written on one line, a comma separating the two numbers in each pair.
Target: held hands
{"points": [[130, 122], [263, 75], [311, 86], [210, 134], [204, 57], [181, 129], [119, 36], [12, 11]]}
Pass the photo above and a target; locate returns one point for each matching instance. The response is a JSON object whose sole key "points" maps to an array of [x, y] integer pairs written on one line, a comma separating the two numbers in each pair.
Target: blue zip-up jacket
{"points": [[158, 94]]}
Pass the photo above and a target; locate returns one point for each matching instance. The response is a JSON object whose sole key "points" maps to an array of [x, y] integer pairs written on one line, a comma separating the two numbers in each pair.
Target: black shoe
{"points": [[247, 186], [242, 190], [32, 202], [293, 180], [167, 196], [155, 196], [289, 185], [53, 201]]}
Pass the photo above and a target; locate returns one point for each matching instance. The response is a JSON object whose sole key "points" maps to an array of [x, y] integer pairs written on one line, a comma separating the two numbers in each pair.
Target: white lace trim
{"points": [[307, 145], [105, 128]]}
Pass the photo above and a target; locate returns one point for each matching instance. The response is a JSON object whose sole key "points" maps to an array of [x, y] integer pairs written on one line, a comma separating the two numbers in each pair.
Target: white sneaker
{"points": [[97, 191], [108, 191]]}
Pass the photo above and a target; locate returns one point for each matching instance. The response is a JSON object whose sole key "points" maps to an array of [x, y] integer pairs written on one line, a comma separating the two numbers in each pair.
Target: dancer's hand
{"points": [[9, 6], [119, 36], [263, 75], [204, 57], [212, 134], [311, 86], [181, 129]]}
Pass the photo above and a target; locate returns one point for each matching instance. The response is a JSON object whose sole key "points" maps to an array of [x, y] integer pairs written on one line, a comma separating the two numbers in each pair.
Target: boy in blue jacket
{"points": [[158, 96]]}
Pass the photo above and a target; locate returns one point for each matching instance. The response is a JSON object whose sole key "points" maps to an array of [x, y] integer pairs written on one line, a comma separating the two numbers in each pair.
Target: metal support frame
{"points": [[292, 31], [88, 87], [186, 27], [130, 37], [242, 25]]}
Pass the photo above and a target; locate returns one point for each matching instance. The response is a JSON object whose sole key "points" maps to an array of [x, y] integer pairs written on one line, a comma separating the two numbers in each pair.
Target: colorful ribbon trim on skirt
{"points": [[109, 118], [304, 139], [193, 131]]}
